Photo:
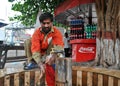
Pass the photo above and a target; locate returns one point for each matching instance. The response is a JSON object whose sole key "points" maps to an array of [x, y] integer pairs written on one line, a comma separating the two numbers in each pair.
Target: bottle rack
{"points": [[90, 31], [77, 29]]}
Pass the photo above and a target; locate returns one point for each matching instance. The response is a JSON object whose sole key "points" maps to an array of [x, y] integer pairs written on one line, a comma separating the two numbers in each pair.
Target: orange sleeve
{"points": [[36, 41], [58, 38]]}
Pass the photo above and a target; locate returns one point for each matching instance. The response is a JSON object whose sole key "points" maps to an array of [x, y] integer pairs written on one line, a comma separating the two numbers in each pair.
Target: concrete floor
{"points": [[12, 67]]}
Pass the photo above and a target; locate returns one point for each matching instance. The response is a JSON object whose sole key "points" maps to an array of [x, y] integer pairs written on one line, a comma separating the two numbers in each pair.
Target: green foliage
{"points": [[30, 8]]}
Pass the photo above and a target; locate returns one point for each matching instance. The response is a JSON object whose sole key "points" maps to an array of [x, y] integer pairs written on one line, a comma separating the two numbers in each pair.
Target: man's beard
{"points": [[46, 30]]}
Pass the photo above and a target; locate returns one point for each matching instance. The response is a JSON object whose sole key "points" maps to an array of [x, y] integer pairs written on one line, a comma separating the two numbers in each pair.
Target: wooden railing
{"points": [[88, 76], [66, 75], [22, 78]]}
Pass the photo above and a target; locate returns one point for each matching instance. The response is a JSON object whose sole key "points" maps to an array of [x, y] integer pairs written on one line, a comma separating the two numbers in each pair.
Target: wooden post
{"points": [[16, 79], [100, 80], [89, 79], [7, 80], [118, 82], [63, 72], [37, 78], [27, 79], [79, 78], [110, 81]]}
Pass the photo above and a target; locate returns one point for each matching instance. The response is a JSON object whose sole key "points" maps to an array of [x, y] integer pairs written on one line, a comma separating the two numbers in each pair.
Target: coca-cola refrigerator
{"points": [[83, 50]]}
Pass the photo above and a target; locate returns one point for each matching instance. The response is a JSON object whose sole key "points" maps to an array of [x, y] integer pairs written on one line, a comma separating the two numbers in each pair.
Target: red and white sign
{"points": [[86, 50], [83, 51]]}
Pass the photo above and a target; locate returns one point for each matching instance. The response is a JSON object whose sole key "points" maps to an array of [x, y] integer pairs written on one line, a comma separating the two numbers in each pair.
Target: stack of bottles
{"points": [[90, 31], [77, 29]]}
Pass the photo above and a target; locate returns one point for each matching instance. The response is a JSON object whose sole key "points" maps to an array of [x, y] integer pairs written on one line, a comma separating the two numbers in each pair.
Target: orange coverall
{"points": [[40, 43]]}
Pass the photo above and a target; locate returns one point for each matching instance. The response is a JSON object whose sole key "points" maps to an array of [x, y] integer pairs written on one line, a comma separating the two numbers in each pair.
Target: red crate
{"points": [[83, 49]]}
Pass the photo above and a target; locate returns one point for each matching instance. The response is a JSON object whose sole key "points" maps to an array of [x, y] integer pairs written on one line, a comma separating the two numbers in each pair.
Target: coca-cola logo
{"points": [[86, 50]]}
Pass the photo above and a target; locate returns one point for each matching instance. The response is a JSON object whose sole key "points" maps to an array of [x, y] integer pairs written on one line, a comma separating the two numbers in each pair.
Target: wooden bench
{"points": [[3, 53]]}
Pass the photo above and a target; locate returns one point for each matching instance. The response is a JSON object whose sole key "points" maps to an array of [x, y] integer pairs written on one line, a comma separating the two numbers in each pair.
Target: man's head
{"points": [[46, 20]]}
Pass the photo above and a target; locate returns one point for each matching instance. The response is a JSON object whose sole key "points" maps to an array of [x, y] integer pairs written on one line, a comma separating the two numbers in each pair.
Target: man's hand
{"points": [[42, 67], [51, 59]]}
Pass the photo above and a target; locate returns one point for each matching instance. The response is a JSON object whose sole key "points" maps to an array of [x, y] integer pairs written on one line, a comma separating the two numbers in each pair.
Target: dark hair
{"points": [[66, 34], [46, 15]]}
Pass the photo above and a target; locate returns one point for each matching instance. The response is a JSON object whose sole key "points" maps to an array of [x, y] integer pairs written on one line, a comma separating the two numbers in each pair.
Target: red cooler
{"points": [[83, 50]]}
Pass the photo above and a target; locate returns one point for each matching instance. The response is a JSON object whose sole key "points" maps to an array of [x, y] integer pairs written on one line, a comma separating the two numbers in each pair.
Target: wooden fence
{"points": [[66, 75], [88, 76], [23, 78]]}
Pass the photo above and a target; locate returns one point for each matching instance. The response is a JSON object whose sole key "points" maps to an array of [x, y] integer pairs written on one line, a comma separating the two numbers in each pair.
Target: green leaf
{"points": [[30, 8]]}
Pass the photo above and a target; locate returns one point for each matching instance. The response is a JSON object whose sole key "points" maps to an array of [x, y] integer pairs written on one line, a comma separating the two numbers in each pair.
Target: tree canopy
{"points": [[30, 8]]}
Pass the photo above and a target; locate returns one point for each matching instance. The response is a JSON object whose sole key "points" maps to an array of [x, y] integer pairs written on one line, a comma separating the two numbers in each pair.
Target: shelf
{"points": [[75, 41]]}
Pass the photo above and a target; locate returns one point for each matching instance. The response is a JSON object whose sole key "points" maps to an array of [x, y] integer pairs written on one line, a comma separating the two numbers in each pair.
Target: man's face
{"points": [[46, 25]]}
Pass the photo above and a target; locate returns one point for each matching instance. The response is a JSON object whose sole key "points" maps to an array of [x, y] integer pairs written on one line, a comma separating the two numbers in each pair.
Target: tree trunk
{"points": [[108, 33]]}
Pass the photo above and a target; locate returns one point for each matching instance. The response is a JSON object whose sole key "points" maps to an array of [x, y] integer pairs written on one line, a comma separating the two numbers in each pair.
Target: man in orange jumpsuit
{"points": [[43, 39]]}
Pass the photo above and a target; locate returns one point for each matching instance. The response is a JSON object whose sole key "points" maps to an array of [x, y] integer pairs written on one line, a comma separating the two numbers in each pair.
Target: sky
{"points": [[5, 10]]}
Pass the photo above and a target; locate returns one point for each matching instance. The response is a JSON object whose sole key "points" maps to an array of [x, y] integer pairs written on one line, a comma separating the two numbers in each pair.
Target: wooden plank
{"points": [[32, 78], [119, 82], [7, 80], [63, 71], [84, 78], [27, 79], [105, 80], [16, 79], [109, 72], [89, 79], [69, 72], [95, 79], [100, 80], [22, 78], [60, 70], [2, 81], [79, 78], [110, 81], [74, 78], [37, 78], [115, 82]]}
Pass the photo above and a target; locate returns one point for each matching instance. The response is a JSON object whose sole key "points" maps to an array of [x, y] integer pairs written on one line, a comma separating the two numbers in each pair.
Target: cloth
{"points": [[50, 75]]}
